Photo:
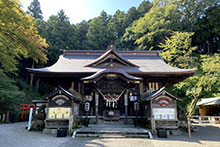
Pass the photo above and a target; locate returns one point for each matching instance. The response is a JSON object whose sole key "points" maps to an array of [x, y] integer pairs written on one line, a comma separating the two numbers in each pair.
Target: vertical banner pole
{"points": [[30, 119]]}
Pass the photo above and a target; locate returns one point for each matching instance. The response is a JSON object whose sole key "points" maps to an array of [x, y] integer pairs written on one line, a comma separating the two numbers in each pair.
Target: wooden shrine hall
{"points": [[114, 85]]}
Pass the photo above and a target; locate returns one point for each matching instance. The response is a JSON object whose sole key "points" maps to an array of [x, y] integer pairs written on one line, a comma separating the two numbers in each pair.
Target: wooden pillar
{"points": [[72, 85], [83, 90], [70, 127], [37, 84], [153, 123], [126, 106], [96, 106], [79, 87], [31, 81], [157, 87], [141, 86], [7, 117]]}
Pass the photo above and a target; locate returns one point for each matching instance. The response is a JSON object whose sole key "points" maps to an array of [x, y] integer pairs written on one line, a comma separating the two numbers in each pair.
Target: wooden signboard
{"points": [[59, 113], [164, 114]]}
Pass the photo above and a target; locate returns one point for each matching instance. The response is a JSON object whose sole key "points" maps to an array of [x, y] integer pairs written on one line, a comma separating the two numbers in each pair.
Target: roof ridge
{"points": [[106, 54]]}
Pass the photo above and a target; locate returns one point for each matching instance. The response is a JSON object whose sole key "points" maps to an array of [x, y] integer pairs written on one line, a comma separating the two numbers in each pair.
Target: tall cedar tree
{"points": [[35, 10]]}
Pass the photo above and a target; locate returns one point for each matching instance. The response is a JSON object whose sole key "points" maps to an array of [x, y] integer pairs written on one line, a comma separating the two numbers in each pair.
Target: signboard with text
{"points": [[59, 113], [164, 114]]}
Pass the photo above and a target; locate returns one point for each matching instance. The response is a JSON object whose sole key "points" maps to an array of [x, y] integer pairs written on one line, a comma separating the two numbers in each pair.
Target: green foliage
{"points": [[131, 16], [205, 83], [118, 23], [60, 35], [116, 27], [98, 34], [207, 31], [18, 37], [35, 10], [143, 8], [158, 23], [81, 31], [192, 10], [13, 93], [9, 92], [41, 26], [178, 51]]}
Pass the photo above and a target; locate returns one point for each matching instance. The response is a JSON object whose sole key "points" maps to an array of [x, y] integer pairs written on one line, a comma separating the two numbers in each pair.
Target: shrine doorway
{"points": [[111, 106], [111, 93]]}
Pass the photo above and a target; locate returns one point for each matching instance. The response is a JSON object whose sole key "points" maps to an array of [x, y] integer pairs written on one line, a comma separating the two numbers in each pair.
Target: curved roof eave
{"points": [[112, 71], [43, 71]]}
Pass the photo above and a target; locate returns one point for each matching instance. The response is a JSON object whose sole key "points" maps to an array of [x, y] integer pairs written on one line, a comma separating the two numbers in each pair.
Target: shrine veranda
{"points": [[126, 87]]}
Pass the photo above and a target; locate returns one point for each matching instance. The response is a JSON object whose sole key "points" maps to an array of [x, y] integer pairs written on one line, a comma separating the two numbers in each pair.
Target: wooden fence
{"points": [[4, 117], [201, 120]]}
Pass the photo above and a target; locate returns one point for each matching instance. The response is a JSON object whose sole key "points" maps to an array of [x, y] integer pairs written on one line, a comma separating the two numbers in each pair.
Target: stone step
{"points": [[87, 135], [112, 136], [137, 136], [113, 132], [110, 126]]}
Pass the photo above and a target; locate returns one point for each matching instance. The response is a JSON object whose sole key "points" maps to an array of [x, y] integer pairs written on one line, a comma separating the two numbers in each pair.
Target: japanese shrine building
{"points": [[111, 81]]}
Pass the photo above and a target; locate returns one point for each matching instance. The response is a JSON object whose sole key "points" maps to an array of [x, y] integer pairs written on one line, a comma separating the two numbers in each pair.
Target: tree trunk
{"points": [[194, 102], [32, 78]]}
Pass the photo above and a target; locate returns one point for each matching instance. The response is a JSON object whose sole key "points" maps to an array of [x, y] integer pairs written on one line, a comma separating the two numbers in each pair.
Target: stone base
{"points": [[37, 125], [54, 131], [50, 131], [112, 131]]}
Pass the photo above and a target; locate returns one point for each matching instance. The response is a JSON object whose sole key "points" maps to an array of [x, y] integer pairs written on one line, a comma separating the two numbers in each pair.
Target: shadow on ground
{"points": [[205, 133], [15, 135]]}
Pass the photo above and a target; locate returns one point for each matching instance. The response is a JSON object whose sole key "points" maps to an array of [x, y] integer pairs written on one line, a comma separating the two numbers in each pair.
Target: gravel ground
{"points": [[14, 135]]}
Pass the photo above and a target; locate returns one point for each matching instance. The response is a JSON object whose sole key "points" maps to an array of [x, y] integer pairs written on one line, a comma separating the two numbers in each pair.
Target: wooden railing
{"points": [[201, 120]]}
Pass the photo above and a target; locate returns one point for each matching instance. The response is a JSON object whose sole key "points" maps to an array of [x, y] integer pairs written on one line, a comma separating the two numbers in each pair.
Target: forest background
{"points": [[188, 32]]}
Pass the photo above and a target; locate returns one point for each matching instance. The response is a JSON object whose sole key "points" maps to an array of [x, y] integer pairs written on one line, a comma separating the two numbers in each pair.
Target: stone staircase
{"points": [[108, 130]]}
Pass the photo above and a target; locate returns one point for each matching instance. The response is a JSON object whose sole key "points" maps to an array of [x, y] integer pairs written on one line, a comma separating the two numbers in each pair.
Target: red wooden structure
{"points": [[26, 107]]}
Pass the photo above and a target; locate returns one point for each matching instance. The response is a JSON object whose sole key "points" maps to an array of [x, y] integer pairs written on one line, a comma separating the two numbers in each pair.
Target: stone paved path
{"points": [[14, 135]]}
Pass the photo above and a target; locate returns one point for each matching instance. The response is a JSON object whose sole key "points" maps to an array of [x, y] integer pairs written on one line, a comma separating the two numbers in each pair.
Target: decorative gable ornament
{"points": [[163, 100], [60, 99]]}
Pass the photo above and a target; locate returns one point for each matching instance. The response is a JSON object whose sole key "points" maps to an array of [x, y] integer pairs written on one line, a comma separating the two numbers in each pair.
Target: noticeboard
{"points": [[164, 114], [59, 113]]}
